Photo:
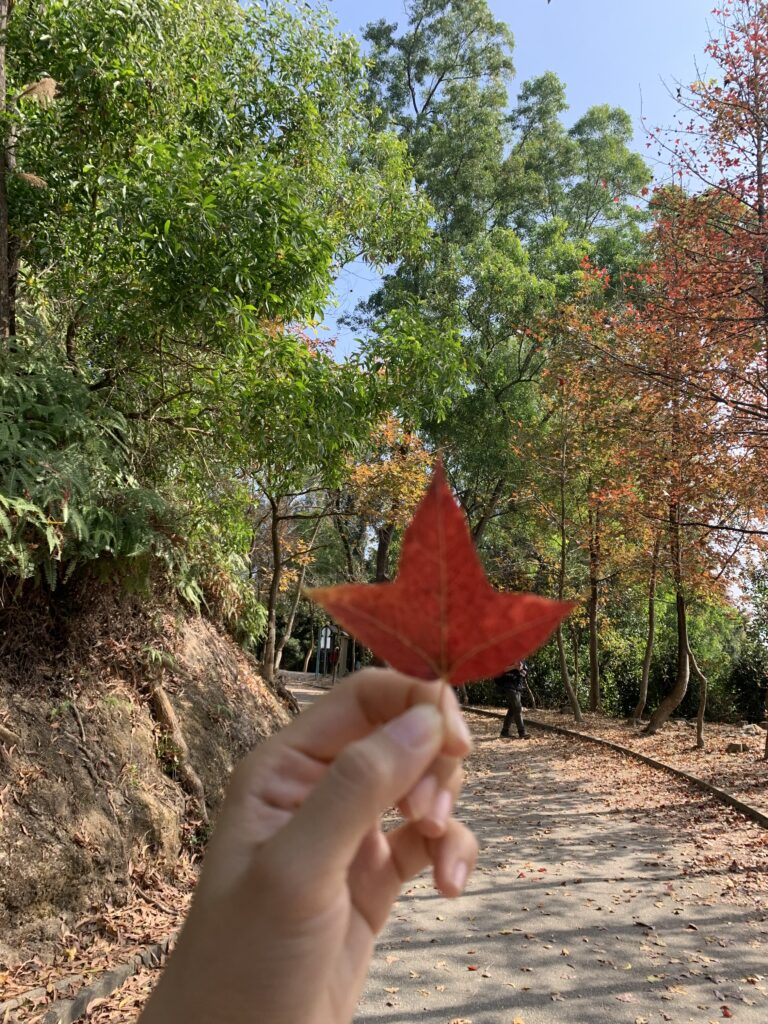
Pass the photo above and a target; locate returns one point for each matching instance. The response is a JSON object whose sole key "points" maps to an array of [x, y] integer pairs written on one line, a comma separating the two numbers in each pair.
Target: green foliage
{"points": [[68, 494], [415, 365], [519, 201], [293, 654], [227, 592], [442, 83], [204, 170], [748, 680], [216, 161], [622, 646], [715, 632], [303, 413]]}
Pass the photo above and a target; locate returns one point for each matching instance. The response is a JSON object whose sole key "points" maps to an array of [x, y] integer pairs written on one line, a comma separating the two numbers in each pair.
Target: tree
{"points": [[182, 183], [718, 151], [213, 153], [387, 484], [442, 84], [288, 555], [653, 572], [683, 469], [300, 426], [518, 200]]}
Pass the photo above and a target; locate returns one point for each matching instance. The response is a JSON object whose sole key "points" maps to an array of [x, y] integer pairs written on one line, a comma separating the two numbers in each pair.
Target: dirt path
{"points": [[604, 894], [306, 694]]}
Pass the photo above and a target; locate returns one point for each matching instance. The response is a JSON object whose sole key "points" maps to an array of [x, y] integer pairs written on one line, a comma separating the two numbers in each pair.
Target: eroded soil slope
{"points": [[120, 720]]}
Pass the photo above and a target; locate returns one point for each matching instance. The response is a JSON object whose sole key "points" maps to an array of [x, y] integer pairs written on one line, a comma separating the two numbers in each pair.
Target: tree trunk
{"points": [[702, 699], [268, 661], [5, 233], [573, 700], [165, 715], [762, 212], [69, 343], [643, 696], [8, 738], [286, 636], [339, 523], [285, 696], [308, 657], [295, 602], [673, 700], [384, 535], [490, 507], [594, 597], [576, 652]]}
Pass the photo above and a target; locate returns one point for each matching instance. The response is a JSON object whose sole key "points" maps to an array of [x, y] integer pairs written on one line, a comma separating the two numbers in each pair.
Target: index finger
{"points": [[367, 700]]}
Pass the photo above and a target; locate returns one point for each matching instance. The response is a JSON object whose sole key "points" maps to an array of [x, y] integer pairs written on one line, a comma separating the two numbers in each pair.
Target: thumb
{"points": [[367, 778]]}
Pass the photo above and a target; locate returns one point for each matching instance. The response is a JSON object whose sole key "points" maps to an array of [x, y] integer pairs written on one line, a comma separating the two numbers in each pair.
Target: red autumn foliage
{"points": [[718, 288], [441, 618]]}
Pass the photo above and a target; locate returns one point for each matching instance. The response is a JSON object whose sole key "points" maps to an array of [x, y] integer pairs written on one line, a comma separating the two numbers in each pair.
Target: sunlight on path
{"points": [[578, 912]]}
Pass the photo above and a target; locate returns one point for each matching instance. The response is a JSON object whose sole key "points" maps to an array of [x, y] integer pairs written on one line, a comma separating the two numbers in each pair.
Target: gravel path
{"points": [[602, 896]]}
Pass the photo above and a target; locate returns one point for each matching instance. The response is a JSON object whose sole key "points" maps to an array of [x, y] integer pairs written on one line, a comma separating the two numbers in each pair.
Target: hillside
{"points": [[121, 719]]}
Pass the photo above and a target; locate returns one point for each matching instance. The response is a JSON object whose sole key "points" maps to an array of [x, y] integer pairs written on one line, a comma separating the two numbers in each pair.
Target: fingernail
{"points": [[416, 728], [422, 796], [441, 810], [459, 875]]}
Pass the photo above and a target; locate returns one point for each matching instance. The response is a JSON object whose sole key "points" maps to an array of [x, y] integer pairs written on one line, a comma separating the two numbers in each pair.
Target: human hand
{"points": [[299, 877]]}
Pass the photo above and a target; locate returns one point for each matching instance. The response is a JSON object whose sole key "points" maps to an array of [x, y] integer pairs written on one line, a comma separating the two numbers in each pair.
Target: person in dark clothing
{"points": [[513, 681]]}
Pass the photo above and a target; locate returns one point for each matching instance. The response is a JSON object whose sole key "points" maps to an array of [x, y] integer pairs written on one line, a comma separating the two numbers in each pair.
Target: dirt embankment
{"points": [[121, 718]]}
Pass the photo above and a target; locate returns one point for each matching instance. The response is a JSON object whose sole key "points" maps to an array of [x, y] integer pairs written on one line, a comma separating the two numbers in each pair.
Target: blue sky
{"points": [[605, 51]]}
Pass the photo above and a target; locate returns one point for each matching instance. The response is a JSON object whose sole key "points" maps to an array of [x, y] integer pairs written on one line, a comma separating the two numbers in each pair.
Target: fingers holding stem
{"points": [[431, 801]]}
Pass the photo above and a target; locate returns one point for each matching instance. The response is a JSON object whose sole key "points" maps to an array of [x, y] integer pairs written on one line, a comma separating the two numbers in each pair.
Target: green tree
{"points": [[182, 182], [442, 83], [519, 201]]}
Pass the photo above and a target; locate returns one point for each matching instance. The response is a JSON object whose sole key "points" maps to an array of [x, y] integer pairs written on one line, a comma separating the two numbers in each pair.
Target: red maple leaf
{"points": [[441, 618]]}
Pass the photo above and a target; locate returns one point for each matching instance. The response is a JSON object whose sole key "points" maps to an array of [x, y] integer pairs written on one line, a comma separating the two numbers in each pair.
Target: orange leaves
{"points": [[388, 486], [297, 554]]}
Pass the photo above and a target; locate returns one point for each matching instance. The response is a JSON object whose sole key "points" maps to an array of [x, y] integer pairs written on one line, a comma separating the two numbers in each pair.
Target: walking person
{"points": [[514, 682]]}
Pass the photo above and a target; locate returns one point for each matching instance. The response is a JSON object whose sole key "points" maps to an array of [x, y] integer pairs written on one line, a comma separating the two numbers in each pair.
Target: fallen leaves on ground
{"points": [[671, 961], [744, 774], [104, 939]]}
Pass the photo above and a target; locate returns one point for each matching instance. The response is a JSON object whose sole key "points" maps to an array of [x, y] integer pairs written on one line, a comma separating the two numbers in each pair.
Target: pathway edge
{"points": [[719, 794], [67, 1011]]}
